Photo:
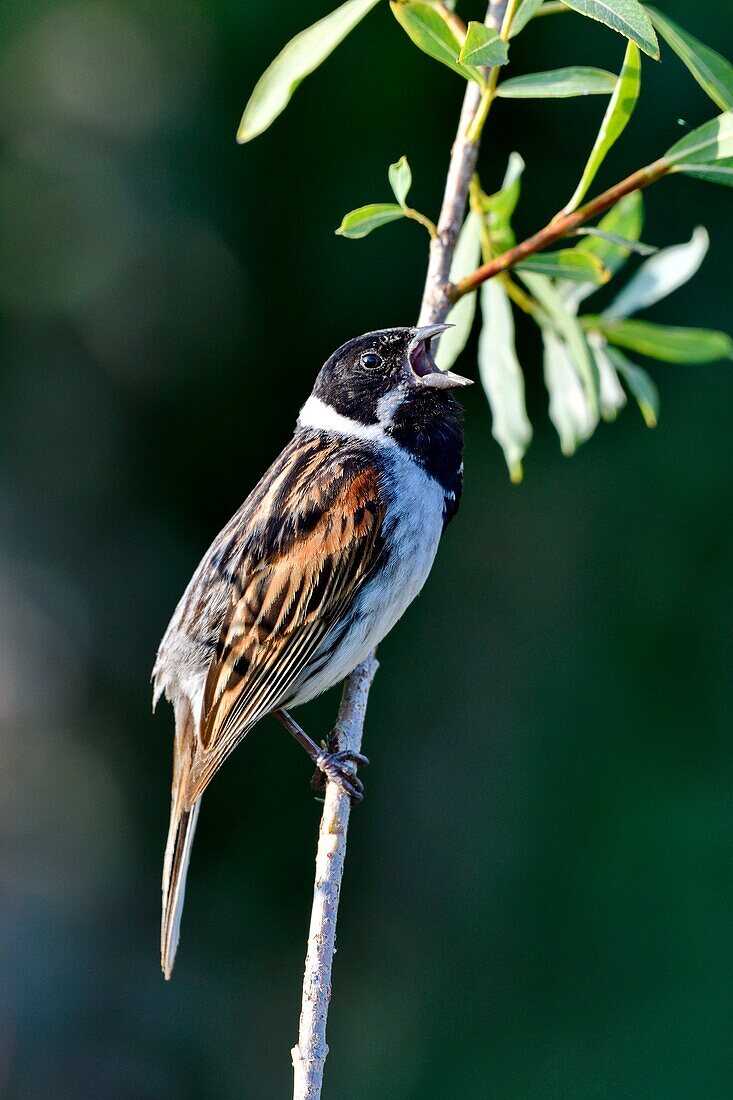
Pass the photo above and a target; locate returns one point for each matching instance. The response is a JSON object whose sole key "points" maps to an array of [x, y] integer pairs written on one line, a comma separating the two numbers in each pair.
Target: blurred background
{"points": [[538, 891]]}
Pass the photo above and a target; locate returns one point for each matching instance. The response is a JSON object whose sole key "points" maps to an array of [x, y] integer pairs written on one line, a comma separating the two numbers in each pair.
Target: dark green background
{"points": [[538, 896]]}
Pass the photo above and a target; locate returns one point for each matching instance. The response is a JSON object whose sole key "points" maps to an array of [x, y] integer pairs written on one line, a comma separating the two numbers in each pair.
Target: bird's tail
{"points": [[177, 852]]}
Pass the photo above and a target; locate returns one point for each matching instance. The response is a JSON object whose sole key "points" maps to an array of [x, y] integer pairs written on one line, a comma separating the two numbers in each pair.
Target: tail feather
{"points": [[175, 868]]}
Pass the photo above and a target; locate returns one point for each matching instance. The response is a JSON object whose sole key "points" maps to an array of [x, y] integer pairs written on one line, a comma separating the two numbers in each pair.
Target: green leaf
{"points": [[502, 377], [612, 395], [713, 72], [359, 222], [465, 260], [559, 84], [568, 263], [500, 206], [434, 35], [618, 113], [660, 276], [621, 242], [707, 152], [301, 56], [483, 46], [503, 202], [625, 16], [673, 345], [714, 173], [526, 11], [569, 410], [400, 179], [640, 386], [567, 326]]}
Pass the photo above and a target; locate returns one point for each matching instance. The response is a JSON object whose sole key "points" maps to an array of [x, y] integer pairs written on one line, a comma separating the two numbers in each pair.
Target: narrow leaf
{"points": [[559, 84], [502, 377], [433, 34], [465, 260], [569, 329], [569, 409], [673, 345], [618, 113], [526, 11], [483, 46], [713, 72], [568, 264], [359, 222], [500, 206], [710, 144], [660, 276], [621, 242], [711, 173], [301, 56], [503, 202], [612, 394], [640, 386], [400, 179], [625, 16]]}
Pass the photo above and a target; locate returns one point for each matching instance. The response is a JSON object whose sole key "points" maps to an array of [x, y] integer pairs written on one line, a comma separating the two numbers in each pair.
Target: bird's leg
{"points": [[339, 767]]}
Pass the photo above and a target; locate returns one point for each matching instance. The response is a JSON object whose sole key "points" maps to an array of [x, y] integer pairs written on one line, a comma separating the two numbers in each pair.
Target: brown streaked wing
{"points": [[285, 604]]}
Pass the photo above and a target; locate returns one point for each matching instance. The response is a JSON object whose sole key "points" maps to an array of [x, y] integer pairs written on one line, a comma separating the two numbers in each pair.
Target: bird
{"points": [[313, 570]]}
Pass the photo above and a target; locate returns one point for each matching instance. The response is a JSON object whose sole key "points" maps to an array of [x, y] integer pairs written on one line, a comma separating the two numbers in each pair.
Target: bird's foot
{"points": [[340, 768]]}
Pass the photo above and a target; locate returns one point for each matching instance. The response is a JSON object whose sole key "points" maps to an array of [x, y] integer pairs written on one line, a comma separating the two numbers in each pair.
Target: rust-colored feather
{"points": [[287, 595]]}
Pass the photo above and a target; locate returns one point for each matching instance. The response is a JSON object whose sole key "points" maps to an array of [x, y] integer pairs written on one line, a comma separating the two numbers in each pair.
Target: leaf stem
{"points": [[487, 98], [555, 230], [416, 216], [500, 16], [520, 297]]}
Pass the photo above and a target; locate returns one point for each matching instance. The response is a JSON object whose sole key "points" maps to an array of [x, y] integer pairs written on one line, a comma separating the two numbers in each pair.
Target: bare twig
{"points": [[309, 1055]]}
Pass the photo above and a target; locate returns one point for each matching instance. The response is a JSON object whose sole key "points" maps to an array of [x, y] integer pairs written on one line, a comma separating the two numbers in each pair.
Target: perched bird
{"points": [[313, 570]]}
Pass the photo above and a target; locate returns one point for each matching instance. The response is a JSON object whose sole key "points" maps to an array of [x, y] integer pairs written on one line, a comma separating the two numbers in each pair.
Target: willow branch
{"points": [[558, 228], [309, 1055], [436, 301]]}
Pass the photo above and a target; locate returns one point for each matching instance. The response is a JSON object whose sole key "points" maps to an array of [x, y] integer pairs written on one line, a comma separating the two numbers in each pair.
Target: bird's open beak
{"points": [[423, 365]]}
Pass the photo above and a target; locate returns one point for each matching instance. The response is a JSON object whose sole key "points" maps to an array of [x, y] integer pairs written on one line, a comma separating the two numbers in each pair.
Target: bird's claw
{"points": [[340, 768]]}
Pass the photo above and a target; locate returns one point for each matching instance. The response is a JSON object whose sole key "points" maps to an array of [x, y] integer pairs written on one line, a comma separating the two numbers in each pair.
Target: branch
{"points": [[558, 228], [309, 1055], [436, 301]]}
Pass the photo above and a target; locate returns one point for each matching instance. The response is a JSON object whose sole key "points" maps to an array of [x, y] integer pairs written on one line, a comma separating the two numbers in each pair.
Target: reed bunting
{"points": [[313, 570]]}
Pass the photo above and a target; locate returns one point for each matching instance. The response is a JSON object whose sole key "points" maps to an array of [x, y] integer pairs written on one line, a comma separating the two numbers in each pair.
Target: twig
{"points": [[436, 302], [558, 228], [309, 1055]]}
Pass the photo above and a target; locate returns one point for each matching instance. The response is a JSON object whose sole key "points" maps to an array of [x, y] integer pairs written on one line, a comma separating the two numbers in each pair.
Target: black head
{"points": [[372, 376], [386, 384]]}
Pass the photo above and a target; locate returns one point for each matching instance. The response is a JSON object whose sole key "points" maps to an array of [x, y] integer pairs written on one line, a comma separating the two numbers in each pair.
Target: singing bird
{"points": [[315, 568]]}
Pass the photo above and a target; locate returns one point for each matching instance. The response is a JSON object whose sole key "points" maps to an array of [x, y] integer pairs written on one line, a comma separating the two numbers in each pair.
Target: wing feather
{"points": [[289, 593]]}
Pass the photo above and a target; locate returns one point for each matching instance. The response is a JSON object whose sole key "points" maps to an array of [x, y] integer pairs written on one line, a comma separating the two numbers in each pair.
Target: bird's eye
{"points": [[370, 359]]}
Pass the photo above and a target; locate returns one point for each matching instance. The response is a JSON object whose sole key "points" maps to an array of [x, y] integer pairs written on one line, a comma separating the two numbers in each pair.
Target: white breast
{"points": [[414, 507]]}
